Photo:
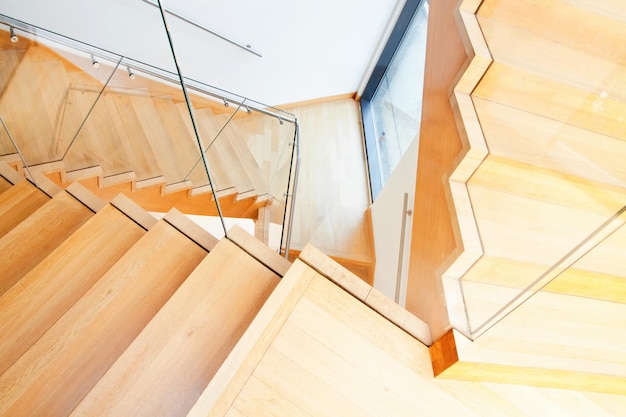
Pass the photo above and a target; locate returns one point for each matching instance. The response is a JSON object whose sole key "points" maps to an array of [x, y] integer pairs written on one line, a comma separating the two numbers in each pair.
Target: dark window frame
{"points": [[389, 51]]}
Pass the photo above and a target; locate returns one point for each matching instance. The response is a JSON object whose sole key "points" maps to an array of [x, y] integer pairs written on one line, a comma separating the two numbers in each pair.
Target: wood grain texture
{"points": [[4, 185], [143, 128], [332, 192], [38, 87], [334, 356], [99, 327], [169, 364], [364, 292], [440, 145], [191, 229], [37, 236], [9, 174], [330, 365], [258, 250], [42, 296], [541, 211], [245, 356], [19, 202]]}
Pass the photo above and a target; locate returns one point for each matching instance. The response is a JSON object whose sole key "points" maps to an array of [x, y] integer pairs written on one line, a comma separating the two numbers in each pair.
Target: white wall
{"points": [[387, 224], [310, 49]]}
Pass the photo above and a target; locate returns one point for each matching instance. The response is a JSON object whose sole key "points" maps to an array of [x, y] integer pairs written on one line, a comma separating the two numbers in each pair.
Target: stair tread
{"points": [[97, 329], [19, 202], [224, 155], [102, 134], [173, 359], [41, 87], [169, 155], [38, 235], [4, 185], [10, 61], [141, 158], [43, 295], [7, 173], [179, 133], [259, 250]]}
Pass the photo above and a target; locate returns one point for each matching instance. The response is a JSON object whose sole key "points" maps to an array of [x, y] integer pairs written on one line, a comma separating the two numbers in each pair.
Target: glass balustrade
{"points": [[548, 208], [87, 111], [8, 150]]}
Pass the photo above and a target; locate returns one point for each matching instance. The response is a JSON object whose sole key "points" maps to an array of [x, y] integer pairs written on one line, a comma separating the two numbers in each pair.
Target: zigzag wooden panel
{"points": [[541, 211]]}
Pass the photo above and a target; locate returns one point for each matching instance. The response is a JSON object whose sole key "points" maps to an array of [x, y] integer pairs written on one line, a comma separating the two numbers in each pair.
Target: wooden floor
{"points": [[315, 350], [138, 133], [333, 197]]}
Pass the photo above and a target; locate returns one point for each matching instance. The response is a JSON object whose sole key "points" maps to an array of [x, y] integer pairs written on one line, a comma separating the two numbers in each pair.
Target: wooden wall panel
{"points": [[545, 203], [440, 145]]}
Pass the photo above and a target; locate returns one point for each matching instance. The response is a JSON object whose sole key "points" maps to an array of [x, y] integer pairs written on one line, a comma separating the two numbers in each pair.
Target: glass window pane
{"points": [[396, 106]]}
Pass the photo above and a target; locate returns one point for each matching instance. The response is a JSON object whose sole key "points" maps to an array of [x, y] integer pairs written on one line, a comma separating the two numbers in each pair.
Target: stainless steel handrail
{"points": [[405, 212], [245, 47], [296, 144], [152, 70], [192, 116]]}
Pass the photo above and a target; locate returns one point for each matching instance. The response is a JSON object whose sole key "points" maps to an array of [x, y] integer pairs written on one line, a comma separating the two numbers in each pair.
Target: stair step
{"points": [[176, 187], [39, 85], [84, 173], [259, 250], [141, 158], [206, 189], [57, 371], [173, 359], [8, 173], [49, 167], [37, 236], [42, 296], [100, 141], [10, 61], [169, 155], [186, 145], [19, 202], [148, 182], [114, 179], [242, 195], [12, 159], [4, 185], [191, 229]]}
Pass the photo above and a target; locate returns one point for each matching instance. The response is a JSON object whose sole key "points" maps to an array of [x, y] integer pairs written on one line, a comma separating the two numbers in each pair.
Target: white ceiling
{"points": [[310, 49]]}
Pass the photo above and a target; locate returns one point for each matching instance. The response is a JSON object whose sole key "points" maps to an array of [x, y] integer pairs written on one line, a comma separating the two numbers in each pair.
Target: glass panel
{"points": [[98, 114], [249, 155], [265, 153], [49, 91], [535, 220], [8, 152], [132, 131], [396, 105]]}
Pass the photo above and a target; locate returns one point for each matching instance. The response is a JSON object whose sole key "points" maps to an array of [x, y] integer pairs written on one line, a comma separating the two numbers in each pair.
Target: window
{"points": [[391, 104]]}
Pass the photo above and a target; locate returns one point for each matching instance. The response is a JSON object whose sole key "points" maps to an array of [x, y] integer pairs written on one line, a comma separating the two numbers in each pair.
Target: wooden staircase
{"points": [[138, 136], [106, 311]]}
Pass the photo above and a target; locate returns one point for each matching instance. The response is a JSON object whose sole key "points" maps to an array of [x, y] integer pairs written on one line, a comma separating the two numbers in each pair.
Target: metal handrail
{"points": [[245, 47], [288, 227], [175, 78], [193, 119], [149, 69]]}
